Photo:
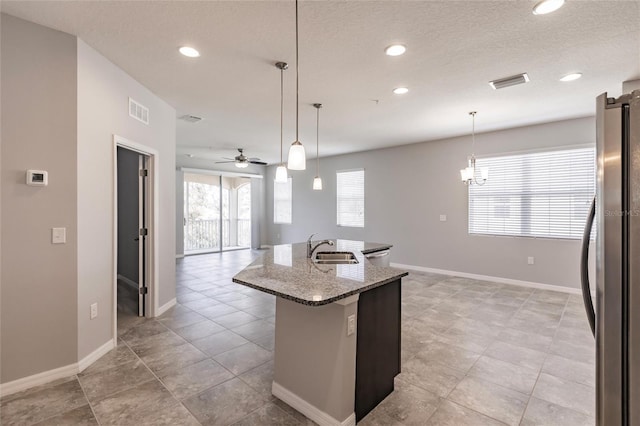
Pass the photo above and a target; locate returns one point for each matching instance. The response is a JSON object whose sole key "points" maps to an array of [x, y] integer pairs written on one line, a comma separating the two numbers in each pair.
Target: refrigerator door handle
{"points": [[584, 269]]}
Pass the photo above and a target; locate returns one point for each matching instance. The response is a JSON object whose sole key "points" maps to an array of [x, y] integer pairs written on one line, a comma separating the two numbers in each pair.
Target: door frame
{"points": [[152, 267]]}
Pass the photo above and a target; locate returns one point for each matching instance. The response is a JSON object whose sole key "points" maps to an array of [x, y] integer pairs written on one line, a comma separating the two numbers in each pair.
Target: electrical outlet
{"points": [[94, 310], [351, 325], [530, 260], [443, 218]]}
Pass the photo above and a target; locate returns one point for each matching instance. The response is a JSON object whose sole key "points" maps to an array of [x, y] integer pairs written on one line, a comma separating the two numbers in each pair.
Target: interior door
{"points": [[132, 247]]}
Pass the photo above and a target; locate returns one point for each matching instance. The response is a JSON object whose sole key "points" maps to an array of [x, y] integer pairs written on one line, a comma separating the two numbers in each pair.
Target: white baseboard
{"points": [[55, 374], [95, 355], [164, 308], [179, 256], [266, 246], [38, 379], [490, 278], [312, 412]]}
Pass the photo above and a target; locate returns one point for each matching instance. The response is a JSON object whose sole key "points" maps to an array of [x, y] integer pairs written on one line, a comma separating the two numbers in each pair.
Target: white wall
{"points": [[103, 92], [407, 188]]}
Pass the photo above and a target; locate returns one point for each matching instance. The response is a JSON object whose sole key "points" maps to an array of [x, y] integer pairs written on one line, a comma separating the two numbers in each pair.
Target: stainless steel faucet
{"points": [[311, 249]]}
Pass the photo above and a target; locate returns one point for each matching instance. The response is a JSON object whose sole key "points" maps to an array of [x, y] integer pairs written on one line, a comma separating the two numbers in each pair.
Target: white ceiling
{"points": [[454, 49]]}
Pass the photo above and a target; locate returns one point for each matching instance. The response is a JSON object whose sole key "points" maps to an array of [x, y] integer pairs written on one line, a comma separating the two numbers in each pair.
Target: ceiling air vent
{"points": [[514, 80], [138, 111], [190, 118]]}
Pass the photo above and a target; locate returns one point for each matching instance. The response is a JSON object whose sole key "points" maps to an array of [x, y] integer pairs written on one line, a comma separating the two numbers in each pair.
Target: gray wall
{"points": [[103, 92], [407, 188], [39, 302]]}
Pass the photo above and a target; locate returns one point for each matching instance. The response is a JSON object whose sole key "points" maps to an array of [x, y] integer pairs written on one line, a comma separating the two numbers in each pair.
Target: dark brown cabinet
{"points": [[378, 346]]}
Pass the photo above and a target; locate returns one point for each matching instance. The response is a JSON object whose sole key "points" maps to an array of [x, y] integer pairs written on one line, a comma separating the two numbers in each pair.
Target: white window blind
{"points": [[350, 198], [282, 202], [542, 194]]}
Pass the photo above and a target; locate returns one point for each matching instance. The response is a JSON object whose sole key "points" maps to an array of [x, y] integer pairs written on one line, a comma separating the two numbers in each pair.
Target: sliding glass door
{"points": [[217, 213]]}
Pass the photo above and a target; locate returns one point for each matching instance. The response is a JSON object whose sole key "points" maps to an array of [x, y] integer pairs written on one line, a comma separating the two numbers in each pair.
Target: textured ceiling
{"points": [[454, 49]]}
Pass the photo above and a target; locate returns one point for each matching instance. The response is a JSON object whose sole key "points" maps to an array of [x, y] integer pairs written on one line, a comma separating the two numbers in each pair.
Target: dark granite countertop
{"points": [[285, 271]]}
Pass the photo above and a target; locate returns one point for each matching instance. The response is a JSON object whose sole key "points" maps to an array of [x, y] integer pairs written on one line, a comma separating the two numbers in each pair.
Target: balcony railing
{"points": [[205, 234], [244, 232]]}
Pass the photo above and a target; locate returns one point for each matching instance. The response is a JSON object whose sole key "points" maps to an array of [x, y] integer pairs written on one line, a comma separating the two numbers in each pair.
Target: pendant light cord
{"points": [[318, 142], [297, 82], [473, 132], [281, 109]]}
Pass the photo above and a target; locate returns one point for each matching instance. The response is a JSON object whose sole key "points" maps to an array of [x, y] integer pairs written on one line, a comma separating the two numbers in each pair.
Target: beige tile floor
{"points": [[474, 353]]}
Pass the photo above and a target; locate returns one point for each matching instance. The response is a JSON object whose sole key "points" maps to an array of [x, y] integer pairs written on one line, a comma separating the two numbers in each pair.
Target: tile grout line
{"points": [[88, 401], [471, 377], [179, 402], [543, 363]]}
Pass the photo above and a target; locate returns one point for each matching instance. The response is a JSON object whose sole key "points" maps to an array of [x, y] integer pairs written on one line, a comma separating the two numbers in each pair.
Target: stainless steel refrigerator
{"points": [[616, 317]]}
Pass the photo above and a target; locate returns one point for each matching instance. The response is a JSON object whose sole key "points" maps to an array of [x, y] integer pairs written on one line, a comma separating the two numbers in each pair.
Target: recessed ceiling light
{"points": [[395, 50], [400, 90], [571, 77], [189, 51], [547, 6]]}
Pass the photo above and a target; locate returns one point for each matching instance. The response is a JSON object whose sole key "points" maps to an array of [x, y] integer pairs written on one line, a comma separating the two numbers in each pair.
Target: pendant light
{"points": [[281, 171], [468, 174], [297, 157], [317, 181]]}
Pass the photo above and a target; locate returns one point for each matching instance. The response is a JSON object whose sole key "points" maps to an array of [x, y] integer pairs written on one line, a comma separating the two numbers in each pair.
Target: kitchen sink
{"points": [[335, 258]]}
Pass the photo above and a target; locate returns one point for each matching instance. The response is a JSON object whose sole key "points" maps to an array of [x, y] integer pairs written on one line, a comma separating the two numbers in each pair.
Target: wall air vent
{"points": [[190, 118], [138, 111], [513, 80]]}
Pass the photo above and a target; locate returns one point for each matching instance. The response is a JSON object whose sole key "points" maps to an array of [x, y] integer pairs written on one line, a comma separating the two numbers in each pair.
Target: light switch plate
{"points": [[443, 218], [58, 235], [94, 310], [530, 260]]}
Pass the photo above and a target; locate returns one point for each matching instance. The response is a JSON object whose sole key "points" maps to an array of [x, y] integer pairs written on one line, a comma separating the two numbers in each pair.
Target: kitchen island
{"points": [[337, 333]]}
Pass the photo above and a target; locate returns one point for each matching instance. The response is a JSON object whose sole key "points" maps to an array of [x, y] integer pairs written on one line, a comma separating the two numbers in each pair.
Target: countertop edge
{"points": [[373, 250], [325, 301]]}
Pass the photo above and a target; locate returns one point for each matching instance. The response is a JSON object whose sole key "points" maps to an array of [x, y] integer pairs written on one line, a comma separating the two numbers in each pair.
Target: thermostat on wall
{"points": [[37, 178]]}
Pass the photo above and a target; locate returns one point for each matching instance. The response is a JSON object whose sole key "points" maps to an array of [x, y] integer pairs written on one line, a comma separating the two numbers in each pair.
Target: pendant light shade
{"points": [[297, 157], [317, 181], [281, 174], [281, 171]]}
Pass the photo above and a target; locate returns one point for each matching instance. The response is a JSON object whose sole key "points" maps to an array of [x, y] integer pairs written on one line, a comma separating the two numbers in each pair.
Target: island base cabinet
{"points": [[378, 346]]}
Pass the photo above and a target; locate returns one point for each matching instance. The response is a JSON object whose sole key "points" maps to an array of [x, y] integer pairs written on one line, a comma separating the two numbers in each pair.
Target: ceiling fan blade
{"points": [[220, 162], [227, 158], [262, 163], [253, 159]]}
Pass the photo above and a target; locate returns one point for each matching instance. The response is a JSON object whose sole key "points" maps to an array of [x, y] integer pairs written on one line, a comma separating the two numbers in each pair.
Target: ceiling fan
{"points": [[242, 160]]}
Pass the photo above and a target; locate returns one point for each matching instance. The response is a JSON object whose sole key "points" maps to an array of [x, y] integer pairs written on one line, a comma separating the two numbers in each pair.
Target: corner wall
{"points": [[103, 92], [407, 188], [38, 295]]}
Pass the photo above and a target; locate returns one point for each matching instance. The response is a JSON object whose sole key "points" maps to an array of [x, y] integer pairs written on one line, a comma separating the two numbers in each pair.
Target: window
{"points": [[282, 202], [542, 194], [350, 198]]}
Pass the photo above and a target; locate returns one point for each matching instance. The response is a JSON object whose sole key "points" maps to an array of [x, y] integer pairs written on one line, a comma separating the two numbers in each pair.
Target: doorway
{"points": [[217, 213], [132, 232]]}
